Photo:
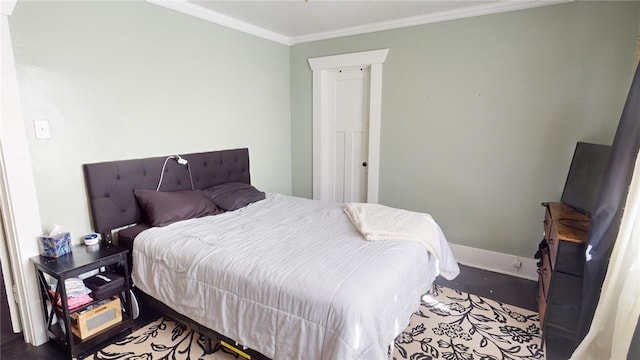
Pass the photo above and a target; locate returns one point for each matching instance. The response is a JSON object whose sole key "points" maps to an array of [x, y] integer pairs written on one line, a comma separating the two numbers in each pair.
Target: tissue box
{"points": [[56, 246]]}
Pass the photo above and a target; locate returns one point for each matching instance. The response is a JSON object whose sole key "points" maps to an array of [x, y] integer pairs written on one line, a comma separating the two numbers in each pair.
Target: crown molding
{"points": [[221, 19], [7, 6], [227, 21], [494, 8]]}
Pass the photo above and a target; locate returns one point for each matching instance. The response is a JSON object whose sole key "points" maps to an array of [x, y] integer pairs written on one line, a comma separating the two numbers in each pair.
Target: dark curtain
{"points": [[606, 218]]}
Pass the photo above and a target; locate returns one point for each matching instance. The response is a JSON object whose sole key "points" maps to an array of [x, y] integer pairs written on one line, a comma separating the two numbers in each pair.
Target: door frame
{"points": [[18, 199], [321, 66], [7, 272]]}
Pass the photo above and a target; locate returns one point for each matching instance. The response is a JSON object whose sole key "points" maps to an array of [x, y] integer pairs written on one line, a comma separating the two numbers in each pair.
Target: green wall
{"points": [[129, 79], [480, 116]]}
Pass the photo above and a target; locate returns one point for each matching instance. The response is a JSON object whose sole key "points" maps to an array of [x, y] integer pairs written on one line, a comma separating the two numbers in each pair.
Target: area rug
{"points": [[454, 325], [449, 325]]}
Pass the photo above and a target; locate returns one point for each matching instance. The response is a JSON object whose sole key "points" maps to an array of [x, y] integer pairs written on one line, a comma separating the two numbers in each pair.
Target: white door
{"points": [[347, 97], [348, 134]]}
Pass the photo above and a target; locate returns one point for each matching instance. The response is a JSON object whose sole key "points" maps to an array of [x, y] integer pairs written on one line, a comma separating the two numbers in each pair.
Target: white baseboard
{"points": [[495, 261]]}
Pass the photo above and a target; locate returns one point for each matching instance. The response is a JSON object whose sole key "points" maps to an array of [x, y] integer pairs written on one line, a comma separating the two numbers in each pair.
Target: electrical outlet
{"points": [[42, 129], [518, 263]]}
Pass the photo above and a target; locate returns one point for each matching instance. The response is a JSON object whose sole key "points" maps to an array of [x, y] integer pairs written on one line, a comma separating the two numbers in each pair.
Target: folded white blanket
{"points": [[378, 222]]}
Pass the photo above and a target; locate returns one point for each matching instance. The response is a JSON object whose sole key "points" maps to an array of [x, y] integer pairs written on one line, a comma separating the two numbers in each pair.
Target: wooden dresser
{"points": [[560, 277]]}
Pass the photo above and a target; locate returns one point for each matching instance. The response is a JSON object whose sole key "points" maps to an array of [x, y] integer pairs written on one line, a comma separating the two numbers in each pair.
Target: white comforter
{"points": [[377, 222], [289, 277]]}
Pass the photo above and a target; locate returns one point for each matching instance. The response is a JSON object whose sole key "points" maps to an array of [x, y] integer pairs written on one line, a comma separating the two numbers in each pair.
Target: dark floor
{"points": [[17, 349], [8, 338], [503, 288]]}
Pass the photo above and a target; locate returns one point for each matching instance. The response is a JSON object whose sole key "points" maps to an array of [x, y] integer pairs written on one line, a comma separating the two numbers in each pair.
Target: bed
{"points": [[287, 277]]}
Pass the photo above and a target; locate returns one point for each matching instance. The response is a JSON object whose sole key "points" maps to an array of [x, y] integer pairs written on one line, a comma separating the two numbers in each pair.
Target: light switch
{"points": [[42, 129]]}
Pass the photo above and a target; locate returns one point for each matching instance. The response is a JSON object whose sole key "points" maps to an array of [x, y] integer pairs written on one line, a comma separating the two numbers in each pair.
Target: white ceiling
{"points": [[297, 21]]}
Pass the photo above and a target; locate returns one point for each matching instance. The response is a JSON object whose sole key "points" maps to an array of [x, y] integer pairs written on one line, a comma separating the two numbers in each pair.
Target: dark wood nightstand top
{"points": [[80, 257]]}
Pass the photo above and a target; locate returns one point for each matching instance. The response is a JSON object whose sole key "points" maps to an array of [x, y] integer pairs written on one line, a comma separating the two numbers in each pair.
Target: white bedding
{"points": [[289, 277], [378, 222]]}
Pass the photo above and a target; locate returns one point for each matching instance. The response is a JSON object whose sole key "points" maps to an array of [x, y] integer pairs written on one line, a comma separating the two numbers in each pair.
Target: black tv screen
{"points": [[585, 175]]}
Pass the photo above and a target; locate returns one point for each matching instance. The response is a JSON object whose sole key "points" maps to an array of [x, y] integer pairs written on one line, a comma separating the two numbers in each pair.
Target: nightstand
{"points": [[80, 260]]}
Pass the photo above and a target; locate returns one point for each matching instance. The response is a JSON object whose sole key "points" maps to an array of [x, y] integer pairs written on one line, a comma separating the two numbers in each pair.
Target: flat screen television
{"points": [[585, 175]]}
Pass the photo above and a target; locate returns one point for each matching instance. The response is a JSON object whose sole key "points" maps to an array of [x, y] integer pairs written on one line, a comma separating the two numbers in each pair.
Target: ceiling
{"points": [[297, 21]]}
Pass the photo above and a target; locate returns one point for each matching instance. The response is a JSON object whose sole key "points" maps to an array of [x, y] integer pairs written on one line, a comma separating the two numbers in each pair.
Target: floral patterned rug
{"points": [[455, 325], [450, 325]]}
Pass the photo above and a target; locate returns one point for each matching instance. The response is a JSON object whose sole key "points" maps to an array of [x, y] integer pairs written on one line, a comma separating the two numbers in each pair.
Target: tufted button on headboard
{"points": [[110, 185]]}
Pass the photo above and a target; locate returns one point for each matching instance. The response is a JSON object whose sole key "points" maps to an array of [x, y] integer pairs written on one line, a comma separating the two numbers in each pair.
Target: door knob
{"points": [[364, 164]]}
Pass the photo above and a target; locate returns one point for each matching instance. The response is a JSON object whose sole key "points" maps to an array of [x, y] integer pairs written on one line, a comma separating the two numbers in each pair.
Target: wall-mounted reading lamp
{"points": [[180, 160]]}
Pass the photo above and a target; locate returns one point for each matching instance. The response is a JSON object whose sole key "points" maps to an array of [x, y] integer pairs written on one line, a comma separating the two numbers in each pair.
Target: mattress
{"points": [[288, 277]]}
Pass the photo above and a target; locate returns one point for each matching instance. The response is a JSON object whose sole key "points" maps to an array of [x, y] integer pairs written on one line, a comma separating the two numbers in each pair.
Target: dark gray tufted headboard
{"points": [[110, 185]]}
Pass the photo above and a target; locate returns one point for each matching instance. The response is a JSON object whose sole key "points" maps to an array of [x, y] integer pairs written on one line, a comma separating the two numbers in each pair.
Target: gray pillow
{"points": [[232, 196], [163, 208]]}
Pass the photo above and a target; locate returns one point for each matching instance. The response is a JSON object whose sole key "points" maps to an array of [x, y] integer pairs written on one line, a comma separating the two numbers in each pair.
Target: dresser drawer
{"points": [[553, 243], [542, 301], [545, 273], [570, 258], [562, 310], [544, 281], [560, 277], [565, 290], [561, 321]]}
